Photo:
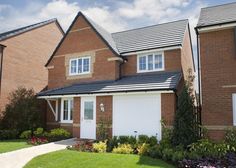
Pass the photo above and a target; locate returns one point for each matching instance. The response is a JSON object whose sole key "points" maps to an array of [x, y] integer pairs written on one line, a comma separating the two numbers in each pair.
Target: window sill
{"points": [[144, 71], [66, 122]]}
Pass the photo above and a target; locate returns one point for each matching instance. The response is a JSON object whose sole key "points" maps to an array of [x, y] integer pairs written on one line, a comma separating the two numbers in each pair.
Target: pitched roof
{"points": [[215, 15], [147, 82], [18, 31], [151, 37], [105, 34]]}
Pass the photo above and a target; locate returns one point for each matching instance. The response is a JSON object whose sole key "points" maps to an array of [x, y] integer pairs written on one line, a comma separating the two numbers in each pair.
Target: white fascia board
{"points": [[106, 94], [216, 27], [153, 50]]}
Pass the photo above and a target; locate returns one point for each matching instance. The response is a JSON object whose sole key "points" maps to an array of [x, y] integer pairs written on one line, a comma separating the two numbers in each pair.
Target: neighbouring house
{"points": [[127, 80], [216, 32], [23, 54]]}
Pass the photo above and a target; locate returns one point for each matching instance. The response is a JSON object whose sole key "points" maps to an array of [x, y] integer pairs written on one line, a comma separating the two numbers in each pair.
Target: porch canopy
{"points": [[157, 81]]}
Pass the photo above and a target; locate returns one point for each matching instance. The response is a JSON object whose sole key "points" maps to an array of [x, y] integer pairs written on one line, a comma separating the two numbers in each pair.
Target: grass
{"points": [[11, 145], [74, 159]]}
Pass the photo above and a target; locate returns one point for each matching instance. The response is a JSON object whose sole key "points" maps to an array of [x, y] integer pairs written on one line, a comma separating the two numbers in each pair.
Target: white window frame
{"points": [[77, 60], [234, 108], [69, 111], [146, 55]]}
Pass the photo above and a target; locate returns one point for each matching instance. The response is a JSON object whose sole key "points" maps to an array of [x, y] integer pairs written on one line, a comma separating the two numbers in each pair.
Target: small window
{"points": [[88, 110], [150, 62], [80, 66], [234, 109], [67, 106]]}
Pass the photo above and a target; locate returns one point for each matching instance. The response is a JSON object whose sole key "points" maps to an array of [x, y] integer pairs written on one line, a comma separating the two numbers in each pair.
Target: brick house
{"points": [[217, 55], [23, 54], [129, 79]]}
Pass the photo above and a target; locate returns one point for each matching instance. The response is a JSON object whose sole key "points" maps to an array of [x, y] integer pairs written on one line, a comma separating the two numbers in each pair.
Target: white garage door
{"points": [[141, 113]]}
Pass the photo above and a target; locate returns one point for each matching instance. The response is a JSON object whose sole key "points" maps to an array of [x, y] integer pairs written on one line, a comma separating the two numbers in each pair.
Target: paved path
{"points": [[18, 158]]}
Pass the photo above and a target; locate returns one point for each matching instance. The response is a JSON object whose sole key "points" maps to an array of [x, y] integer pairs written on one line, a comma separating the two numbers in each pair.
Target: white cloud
{"points": [[60, 9], [106, 18], [154, 9]]}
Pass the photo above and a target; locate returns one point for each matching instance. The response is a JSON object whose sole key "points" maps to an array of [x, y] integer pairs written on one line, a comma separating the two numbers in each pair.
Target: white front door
{"points": [[88, 118]]}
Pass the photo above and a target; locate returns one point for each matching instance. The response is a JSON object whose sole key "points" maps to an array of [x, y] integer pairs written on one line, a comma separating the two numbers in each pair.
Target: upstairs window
{"points": [[79, 66], [150, 62]]}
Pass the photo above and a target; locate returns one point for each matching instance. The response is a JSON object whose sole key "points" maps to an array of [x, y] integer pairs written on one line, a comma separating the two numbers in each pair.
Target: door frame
{"points": [[83, 99]]}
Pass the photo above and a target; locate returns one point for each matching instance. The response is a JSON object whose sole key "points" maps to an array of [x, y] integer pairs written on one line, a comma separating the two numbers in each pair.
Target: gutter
{"points": [[199, 79], [3, 46], [171, 90]]}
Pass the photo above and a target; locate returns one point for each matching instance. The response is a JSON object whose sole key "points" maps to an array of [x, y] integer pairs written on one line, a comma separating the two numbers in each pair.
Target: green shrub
{"points": [[123, 149], [123, 139], [132, 141], [100, 147], [206, 148], [26, 134], [58, 134], [142, 139], [22, 112], [230, 137], [178, 156], [143, 149], [185, 129], [38, 132], [167, 154], [112, 143], [155, 151], [152, 140], [8, 134]]}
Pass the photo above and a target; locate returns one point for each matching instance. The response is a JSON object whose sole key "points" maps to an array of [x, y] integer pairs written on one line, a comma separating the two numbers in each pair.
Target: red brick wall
{"points": [[218, 78], [76, 117], [168, 107], [24, 60], [187, 61], [82, 38], [172, 59], [106, 115]]}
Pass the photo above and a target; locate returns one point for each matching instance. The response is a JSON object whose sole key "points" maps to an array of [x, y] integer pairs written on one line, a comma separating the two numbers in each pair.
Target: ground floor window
{"points": [[67, 105], [234, 109]]}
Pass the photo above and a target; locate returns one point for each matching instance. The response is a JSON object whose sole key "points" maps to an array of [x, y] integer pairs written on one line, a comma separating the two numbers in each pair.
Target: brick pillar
{"points": [[76, 117], [106, 115], [168, 107]]}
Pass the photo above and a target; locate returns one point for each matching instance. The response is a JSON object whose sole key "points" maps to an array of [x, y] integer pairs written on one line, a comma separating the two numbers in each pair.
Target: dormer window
{"points": [[150, 62], [79, 66]]}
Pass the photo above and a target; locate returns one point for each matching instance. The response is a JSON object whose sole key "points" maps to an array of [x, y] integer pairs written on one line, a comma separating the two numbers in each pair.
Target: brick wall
{"points": [[82, 38], [172, 60], [186, 55], [168, 107], [106, 116], [24, 60], [218, 78]]}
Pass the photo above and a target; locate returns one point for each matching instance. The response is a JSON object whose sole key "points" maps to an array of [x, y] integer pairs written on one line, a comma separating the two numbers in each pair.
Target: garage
{"points": [[137, 114]]}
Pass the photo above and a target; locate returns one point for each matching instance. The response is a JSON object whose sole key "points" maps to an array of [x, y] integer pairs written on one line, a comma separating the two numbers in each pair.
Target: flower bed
{"points": [[203, 153]]}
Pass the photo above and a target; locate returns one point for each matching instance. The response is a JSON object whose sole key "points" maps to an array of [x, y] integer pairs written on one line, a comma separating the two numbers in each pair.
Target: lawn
{"points": [[11, 145], [74, 159]]}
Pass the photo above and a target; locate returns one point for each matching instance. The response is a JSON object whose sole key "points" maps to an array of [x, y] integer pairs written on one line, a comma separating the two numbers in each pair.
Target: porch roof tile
{"points": [[141, 82]]}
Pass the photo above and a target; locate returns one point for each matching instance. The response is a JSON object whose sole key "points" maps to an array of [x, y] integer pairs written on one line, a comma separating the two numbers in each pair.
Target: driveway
{"points": [[18, 158]]}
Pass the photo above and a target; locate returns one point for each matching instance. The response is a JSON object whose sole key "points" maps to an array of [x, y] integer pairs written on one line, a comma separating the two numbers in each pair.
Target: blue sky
{"points": [[113, 15]]}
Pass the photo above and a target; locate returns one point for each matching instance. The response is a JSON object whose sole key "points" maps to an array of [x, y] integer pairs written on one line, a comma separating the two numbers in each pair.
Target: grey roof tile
{"points": [[141, 82], [217, 14], [105, 34], [18, 31], [157, 36]]}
